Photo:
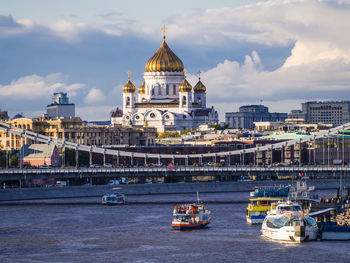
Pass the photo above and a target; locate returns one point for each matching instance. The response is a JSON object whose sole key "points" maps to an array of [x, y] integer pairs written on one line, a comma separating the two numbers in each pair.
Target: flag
{"points": [[170, 166]]}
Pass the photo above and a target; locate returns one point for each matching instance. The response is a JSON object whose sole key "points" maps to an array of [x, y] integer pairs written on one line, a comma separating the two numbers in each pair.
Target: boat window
{"points": [[277, 222], [310, 221], [290, 208]]}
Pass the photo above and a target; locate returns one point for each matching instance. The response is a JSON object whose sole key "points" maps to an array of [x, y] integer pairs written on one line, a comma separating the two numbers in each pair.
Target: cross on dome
{"points": [[164, 29], [129, 73], [199, 75]]}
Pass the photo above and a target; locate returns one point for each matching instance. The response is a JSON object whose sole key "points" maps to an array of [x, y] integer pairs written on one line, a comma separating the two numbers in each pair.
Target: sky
{"points": [[278, 53]]}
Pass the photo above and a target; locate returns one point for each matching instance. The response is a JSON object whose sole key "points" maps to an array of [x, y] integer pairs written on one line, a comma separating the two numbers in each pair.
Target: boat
{"points": [[337, 228], [286, 221], [333, 231], [270, 191], [116, 198], [258, 208], [301, 192], [190, 216]]}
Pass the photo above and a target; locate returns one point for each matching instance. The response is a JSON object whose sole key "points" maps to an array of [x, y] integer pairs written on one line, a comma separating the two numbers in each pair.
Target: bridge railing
{"points": [[92, 149]]}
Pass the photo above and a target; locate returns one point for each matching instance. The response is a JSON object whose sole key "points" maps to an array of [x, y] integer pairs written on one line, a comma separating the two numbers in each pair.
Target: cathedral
{"points": [[165, 100]]}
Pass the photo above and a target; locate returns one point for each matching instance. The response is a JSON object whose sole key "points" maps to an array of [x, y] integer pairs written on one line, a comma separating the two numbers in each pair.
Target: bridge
{"points": [[229, 171]]}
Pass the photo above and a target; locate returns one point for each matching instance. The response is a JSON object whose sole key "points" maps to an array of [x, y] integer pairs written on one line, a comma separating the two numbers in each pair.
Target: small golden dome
{"points": [[199, 87], [164, 60], [185, 86], [142, 89], [129, 87]]}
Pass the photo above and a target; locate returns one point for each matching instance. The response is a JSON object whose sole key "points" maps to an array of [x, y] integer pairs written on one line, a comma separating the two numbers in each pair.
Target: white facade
{"points": [[162, 103]]}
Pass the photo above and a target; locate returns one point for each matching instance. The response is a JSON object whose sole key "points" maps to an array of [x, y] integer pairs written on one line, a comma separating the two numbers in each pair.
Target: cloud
{"points": [[278, 22], [284, 50], [110, 15], [95, 96], [33, 87]]}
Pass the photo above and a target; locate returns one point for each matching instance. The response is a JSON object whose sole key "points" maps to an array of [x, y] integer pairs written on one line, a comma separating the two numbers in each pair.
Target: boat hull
{"points": [[255, 219], [180, 226], [289, 233], [335, 232]]}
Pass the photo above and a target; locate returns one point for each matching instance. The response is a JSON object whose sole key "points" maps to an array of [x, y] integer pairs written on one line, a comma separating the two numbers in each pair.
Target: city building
{"points": [[60, 107], [247, 115], [75, 130], [165, 100], [3, 115], [328, 112], [37, 155]]}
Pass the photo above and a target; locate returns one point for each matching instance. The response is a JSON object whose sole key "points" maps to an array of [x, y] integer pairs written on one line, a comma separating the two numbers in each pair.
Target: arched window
{"points": [[152, 91], [167, 89], [174, 89], [184, 100], [127, 101], [159, 90], [199, 100]]}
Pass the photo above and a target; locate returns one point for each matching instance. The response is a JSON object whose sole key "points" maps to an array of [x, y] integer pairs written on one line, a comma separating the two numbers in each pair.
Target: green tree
{"points": [[14, 160], [168, 134], [3, 160]]}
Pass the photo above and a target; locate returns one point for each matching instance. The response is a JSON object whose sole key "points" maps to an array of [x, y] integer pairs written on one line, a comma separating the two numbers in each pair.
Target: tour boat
{"points": [[301, 192], [115, 198], [258, 208], [270, 191], [190, 216], [286, 221]]}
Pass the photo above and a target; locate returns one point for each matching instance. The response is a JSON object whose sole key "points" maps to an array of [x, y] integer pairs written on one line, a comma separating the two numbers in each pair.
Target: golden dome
{"points": [[199, 87], [185, 86], [129, 87], [164, 60], [142, 89]]}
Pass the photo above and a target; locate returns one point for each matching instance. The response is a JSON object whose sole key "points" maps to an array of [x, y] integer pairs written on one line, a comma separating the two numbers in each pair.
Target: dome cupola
{"points": [[185, 85], [164, 60], [142, 89], [129, 87], [199, 87]]}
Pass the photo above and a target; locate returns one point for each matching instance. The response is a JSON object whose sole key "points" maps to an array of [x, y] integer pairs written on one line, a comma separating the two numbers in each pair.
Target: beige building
{"points": [[74, 130]]}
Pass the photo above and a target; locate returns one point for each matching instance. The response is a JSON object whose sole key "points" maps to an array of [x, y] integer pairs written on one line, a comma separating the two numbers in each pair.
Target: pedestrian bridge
{"points": [[233, 172]]}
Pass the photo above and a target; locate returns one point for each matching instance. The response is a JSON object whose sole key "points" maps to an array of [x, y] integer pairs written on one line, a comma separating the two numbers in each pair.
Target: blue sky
{"points": [[282, 52]]}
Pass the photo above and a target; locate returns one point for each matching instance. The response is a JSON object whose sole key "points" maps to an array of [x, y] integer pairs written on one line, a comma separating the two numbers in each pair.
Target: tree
{"points": [[3, 160], [14, 160]]}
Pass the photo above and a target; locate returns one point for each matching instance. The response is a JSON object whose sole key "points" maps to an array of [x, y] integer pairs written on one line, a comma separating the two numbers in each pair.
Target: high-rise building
{"points": [[248, 114], [60, 107], [331, 112]]}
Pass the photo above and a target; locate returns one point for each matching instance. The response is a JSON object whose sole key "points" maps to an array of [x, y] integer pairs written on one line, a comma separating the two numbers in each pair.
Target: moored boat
{"points": [[190, 216], [258, 207], [116, 198], [301, 192], [270, 191], [286, 221], [333, 231]]}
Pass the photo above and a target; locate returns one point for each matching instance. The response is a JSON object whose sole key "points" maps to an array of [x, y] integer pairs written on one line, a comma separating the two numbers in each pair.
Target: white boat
{"points": [[286, 221], [113, 199]]}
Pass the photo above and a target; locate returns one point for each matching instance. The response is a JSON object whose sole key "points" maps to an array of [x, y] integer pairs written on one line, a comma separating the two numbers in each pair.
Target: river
{"points": [[82, 230]]}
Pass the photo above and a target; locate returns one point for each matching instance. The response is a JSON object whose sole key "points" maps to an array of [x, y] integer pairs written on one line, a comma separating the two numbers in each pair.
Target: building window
{"points": [[184, 100], [174, 89], [127, 101], [159, 90], [152, 91], [167, 89]]}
